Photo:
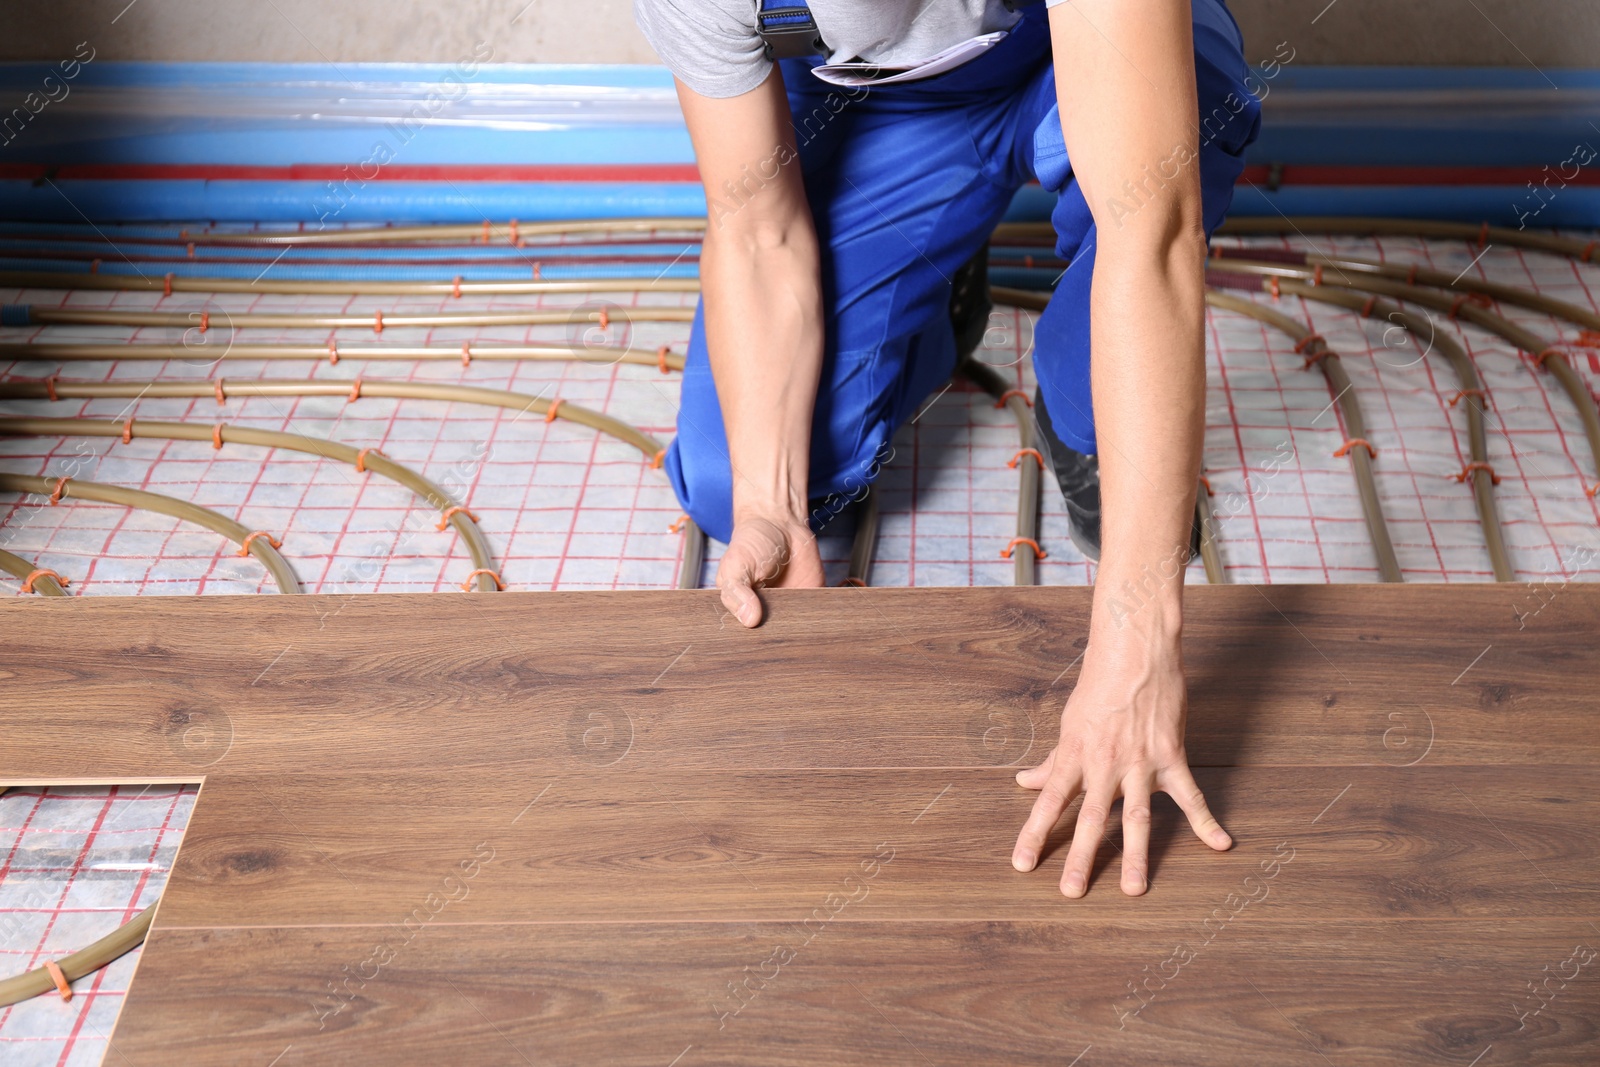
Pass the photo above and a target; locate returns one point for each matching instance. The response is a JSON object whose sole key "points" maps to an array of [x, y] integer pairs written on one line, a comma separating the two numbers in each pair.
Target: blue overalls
{"points": [[905, 184]]}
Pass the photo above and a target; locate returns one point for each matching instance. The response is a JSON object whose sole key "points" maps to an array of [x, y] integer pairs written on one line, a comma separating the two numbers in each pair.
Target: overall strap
{"points": [[787, 29]]}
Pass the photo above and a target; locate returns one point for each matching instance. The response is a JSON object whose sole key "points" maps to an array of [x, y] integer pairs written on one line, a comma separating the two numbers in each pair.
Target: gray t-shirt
{"points": [[713, 46]]}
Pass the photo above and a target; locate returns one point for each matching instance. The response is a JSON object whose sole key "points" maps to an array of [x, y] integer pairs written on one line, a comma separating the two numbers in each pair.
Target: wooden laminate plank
{"points": [[1422, 841], [503, 789], [1279, 675], [1251, 991]]}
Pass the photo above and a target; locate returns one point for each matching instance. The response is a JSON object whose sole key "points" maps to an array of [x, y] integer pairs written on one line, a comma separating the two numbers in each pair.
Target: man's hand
{"points": [[760, 269], [766, 552], [1125, 83], [1121, 735]]}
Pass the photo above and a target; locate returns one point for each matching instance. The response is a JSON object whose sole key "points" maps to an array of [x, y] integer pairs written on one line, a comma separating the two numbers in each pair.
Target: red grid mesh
{"points": [[76, 863], [566, 508]]}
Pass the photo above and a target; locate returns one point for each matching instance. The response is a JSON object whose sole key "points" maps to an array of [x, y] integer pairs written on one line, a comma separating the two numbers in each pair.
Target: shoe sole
{"points": [[1084, 545]]}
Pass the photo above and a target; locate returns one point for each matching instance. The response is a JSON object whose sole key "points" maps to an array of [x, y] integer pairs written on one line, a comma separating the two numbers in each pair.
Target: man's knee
{"points": [[704, 488]]}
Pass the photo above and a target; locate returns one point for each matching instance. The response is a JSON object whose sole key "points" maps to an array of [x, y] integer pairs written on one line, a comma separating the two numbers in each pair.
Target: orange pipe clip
{"points": [[1034, 452], [1038, 553], [1466, 472], [1008, 394], [1345, 448], [444, 520], [466, 586], [244, 546], [27, 587], [62, 986]]}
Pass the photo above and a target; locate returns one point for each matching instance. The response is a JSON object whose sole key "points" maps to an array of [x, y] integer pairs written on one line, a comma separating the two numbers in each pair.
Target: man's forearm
{"points": [[763, 310], [1125, 81], [761, 294], [1148, 378], [760, 278]]}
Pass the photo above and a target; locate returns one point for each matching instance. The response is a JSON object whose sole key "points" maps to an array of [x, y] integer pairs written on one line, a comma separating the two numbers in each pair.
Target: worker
{"points": [[855, 157]]}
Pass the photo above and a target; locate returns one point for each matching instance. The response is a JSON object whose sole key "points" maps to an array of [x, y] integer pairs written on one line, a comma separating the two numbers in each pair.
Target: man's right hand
{"points": [[760, 272], [766, 552]]}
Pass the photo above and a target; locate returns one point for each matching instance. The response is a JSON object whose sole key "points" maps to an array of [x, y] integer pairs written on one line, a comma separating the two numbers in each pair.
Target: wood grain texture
{"points": [[1285, 675], [1260, 992], [617, 828], [1408, 842]]}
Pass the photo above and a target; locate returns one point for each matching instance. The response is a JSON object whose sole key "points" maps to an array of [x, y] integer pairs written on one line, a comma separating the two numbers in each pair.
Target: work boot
{"points": [[1078, 475], [970, 304]]}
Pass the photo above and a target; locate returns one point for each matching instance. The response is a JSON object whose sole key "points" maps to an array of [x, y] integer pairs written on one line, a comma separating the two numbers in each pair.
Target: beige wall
{"points": [[1513, 33], [1506, 33]]}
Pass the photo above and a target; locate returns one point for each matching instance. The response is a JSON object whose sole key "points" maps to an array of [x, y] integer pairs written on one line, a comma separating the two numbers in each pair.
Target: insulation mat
{"points": [[566, 508], [75, 863]]}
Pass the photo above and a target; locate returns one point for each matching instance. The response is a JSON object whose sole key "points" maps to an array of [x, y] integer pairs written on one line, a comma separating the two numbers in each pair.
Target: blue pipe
{"points": [[375, 272], [500, 253], [376, 203]]}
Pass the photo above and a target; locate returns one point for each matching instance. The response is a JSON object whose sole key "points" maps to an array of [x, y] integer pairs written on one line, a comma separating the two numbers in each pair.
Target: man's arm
{"points": [[760, 275], [1126, 84]]}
